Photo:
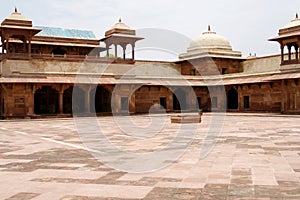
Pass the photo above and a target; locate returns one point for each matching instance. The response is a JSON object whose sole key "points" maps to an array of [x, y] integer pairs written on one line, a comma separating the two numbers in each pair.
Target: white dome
{"points": [[210, 44], [210, 40], [295, 22]]}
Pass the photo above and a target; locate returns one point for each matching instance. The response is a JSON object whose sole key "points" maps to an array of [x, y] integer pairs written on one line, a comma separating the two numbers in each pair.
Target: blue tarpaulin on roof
{"points": [[65, 33]]}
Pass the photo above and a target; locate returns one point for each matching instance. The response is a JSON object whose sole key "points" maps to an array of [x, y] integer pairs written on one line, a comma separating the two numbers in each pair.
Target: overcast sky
{"points": [[246, 24]]}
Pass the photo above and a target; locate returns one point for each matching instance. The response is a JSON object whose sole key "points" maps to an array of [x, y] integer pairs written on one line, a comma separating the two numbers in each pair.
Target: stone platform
{"points": [[185, 119]]}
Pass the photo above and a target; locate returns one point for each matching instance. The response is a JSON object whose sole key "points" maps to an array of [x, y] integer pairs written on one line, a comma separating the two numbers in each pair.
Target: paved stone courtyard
{"points": [[256, 156]]}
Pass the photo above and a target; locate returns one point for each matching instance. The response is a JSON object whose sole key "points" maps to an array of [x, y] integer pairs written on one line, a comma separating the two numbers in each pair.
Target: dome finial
{"points": [[120, 20], [16, 10], [209, 28]]}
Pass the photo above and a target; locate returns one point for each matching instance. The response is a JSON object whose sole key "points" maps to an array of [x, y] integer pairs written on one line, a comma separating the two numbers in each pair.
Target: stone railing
{"points": [[289, 62], [66, 57]]}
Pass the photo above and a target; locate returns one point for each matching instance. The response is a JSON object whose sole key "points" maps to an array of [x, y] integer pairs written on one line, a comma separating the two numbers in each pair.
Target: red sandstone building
{"points": [[55, 71]]}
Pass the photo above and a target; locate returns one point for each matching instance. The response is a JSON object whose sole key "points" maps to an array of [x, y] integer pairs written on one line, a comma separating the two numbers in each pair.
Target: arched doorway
{"points": [[73, 100], [179, 100], [232, 99], [100, 100], [46, 101]]}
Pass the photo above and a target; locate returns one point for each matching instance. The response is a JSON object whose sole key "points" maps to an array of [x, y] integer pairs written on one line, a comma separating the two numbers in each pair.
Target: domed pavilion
{"points": [[210, 44], [121, 35], [288, 38], [208, 50]]}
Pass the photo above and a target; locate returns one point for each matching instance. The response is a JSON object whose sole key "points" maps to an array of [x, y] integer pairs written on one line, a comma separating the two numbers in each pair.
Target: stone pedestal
{"points": [[183, 118]]}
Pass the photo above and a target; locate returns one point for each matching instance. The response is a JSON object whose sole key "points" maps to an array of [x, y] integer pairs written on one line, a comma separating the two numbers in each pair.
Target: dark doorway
{"points": [[46, 101], [163, 102], [74, 100], [100, 100], [59, 51], [179, 100], [232, 99], [246, 102]]}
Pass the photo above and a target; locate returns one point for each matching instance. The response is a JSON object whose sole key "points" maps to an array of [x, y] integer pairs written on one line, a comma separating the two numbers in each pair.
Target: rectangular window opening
{"points": [[224, 70], [124, 104], [246, 102], [163, 102], [193, 72]]}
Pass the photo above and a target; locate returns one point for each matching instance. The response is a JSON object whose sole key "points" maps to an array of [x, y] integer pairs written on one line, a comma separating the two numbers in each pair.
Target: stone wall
{"points": [[291, 95], [203, 97], [148, 97], [262, 96], [52, 67], [17, 99], [261, 65], [211, 66]]}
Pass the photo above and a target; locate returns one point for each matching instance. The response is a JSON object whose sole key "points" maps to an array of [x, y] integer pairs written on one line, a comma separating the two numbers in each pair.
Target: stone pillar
{"points": [[7, 51], [116, 103], [9, 100], [124, 51], [290, 52], [131, 101], [87, 102], [107, 52], [298, 50], [107, 49], [169, 99], [283, 96], [24, 46], [88, 99], [133, 46], [282, 53], [298, 54], [60, 102], [30, 99], [4, 99], [190, 101], [116, 50], [61, 99], [29, 48], [240, 97], [2, 42]]}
